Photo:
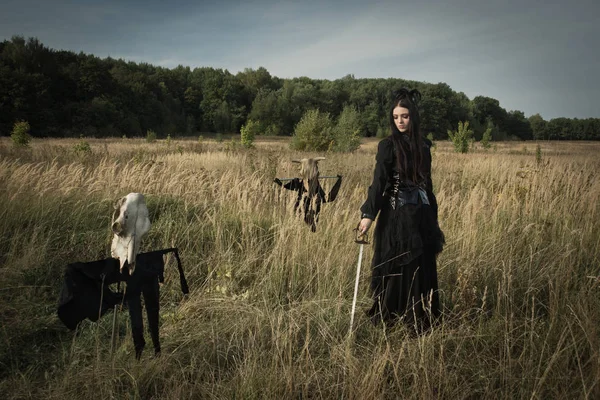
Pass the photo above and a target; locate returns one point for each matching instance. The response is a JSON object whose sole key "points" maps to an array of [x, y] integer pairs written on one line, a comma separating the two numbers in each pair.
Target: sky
{"points": [[533, 56]]}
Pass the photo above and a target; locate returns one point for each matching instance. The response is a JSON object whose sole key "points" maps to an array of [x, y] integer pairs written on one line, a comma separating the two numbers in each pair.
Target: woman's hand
{"points": [[364, 225]]}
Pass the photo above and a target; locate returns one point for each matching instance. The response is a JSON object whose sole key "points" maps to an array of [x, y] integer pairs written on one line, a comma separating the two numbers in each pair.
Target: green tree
{"points": [[62, 93], [538, 127], [150, 136], [248, 133], [222, 118], [256, 80], [265, 109], [432, 116], [334, 96], [442, 108], [191, 103], [82, 148], [346, 133], [20, 134], [382, 131], [462, 137], [370, 118], [488, 109], [516, 124], [313, 132], [487, 137]]}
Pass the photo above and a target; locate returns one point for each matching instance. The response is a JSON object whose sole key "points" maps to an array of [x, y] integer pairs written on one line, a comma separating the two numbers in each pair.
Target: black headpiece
{"points": [[413, 95]]}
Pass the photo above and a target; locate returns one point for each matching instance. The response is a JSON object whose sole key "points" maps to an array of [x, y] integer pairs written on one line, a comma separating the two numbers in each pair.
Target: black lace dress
{"points": [[407, 238]]}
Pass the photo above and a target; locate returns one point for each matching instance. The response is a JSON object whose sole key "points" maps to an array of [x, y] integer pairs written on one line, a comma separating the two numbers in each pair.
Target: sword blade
{"points": [[360, 254]]}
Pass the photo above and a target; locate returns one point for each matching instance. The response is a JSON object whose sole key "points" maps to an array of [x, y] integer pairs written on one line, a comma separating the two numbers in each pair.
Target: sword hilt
{"points": [[360, 237]]}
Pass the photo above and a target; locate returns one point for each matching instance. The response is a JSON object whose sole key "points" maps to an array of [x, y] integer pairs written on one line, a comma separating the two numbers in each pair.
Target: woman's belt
{"points": [[409, 196]]}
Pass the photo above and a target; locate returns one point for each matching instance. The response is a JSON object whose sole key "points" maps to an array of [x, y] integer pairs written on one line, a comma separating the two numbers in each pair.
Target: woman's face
{"points": [[401, 118]]}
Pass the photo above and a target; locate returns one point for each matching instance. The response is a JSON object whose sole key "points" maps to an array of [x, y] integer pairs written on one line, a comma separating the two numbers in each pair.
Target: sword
{"points": [[361, 238], [321, 177]]}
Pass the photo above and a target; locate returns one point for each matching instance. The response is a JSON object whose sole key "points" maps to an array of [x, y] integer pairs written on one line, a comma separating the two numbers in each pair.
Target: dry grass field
{"points": [[268, 312]]}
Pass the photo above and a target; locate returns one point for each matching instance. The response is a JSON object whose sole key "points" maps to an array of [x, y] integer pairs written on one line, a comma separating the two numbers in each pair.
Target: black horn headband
{"points": [[413, 95]]}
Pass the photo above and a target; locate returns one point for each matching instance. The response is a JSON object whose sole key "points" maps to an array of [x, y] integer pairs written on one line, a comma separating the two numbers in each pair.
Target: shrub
{"points": [[313, 132], [248, 133], [83, 148], [346, 133], [198, 146], [486, 138], [462, 137], [232, 145], [20, 134], [150, 136]]}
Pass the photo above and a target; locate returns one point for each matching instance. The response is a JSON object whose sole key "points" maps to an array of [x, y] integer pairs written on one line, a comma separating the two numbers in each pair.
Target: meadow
{"points": [[269, 307]]}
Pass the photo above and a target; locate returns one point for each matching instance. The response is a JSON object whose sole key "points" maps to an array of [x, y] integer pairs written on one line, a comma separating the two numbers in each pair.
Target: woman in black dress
{"points": [[407, 235]]}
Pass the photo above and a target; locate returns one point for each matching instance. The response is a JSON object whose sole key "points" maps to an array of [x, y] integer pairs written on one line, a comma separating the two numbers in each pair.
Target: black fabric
{"points": [[147, 283], [145, 280], [310, 207], [86, 292], [153, 263], [408, 293], [406, 240]]}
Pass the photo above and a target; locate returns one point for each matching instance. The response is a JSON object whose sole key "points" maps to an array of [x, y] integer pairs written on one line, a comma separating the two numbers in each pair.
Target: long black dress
{"points": [[407, 238]]}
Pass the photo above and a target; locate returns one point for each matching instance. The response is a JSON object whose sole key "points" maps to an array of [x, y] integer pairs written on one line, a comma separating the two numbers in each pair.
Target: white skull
{"points": [[130, 223]]}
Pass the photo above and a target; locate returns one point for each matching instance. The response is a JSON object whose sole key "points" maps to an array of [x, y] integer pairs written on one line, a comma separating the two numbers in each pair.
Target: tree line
{"points": [[62, 94]]}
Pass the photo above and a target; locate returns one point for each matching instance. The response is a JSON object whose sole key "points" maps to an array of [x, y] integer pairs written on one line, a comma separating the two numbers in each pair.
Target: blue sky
{"points": [[534, 56]]}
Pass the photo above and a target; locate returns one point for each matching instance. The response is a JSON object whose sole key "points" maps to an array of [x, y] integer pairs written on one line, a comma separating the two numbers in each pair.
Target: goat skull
{"points": [[130, 223], [309, 172]]}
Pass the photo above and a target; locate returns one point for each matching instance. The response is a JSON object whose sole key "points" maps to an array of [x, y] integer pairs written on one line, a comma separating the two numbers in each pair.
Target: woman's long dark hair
{"points": [[408, 146]]}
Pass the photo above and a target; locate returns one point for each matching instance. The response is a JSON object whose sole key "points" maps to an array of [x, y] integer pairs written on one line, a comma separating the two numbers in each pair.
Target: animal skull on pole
{"points": [[309, 172], [130, 223]]}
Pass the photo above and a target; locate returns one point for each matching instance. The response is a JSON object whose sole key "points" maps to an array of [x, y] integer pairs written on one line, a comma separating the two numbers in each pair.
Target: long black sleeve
{"points": [[294, 184], [383, 167], [332, 193]]}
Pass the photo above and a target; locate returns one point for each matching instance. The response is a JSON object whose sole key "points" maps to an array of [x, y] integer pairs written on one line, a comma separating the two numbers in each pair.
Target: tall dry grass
{"points": [[268, 311]]}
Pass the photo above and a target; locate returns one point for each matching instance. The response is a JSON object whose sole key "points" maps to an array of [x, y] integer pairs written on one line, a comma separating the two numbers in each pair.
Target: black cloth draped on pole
{"points": [[86, 292], [310, 206]]}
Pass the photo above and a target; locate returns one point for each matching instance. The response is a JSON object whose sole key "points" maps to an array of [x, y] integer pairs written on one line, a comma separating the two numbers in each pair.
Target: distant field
{"points": [[268, 311]]}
